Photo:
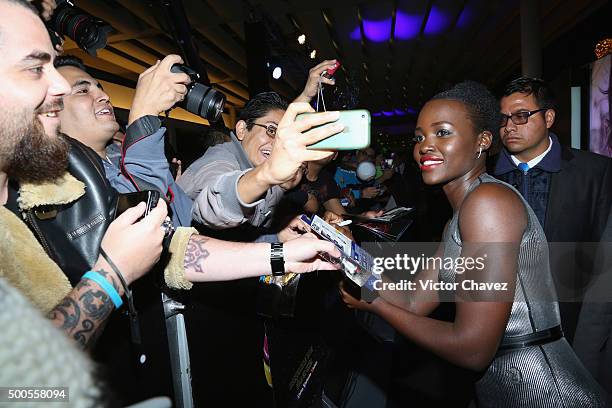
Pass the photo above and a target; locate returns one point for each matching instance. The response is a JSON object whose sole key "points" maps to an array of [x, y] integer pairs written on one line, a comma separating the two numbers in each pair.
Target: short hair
{"points": [[216, 136], [533, 86], [482, 106], [260, 106], [69, 61]]}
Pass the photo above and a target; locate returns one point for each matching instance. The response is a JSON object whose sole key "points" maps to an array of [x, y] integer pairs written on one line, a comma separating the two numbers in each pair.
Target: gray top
{"points": [[212, 182], [535, 307]]}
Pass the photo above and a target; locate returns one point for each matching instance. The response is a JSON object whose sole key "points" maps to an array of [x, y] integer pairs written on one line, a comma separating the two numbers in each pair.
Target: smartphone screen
{"points": [[356, 133]]}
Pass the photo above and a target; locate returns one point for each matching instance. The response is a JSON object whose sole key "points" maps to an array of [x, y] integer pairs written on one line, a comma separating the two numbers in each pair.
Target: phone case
{"points": [[356, 133], [128, 200]]}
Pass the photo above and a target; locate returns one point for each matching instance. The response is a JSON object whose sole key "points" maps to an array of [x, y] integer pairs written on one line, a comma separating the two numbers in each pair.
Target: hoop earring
{"points": [[479, 152]]}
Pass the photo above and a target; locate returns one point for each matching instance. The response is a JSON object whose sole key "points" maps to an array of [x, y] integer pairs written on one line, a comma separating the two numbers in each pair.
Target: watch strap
{"points": [[277, 259]]}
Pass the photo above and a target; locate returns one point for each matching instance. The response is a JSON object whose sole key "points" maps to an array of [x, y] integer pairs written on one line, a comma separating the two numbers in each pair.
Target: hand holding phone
{"points": [[129, 200], [133, 245], [292, 138]]}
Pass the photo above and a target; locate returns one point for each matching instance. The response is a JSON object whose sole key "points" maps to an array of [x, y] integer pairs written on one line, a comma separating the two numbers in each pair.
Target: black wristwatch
{"points": [[277, 259]]}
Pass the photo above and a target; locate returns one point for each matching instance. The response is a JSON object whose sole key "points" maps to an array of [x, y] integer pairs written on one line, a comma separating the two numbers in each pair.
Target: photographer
{"points": [[88, 117]]}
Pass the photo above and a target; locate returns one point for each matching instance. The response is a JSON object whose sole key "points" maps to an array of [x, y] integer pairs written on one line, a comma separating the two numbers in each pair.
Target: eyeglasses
{"points": [[270, 129], [519, 118]]}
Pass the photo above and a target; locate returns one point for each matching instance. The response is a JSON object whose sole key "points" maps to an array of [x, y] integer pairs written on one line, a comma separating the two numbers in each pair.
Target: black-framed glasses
{"points": [[519, 118], [270, 129]]}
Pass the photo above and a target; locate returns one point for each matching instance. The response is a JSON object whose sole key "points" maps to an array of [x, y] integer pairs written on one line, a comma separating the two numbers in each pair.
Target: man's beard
{"points": [[26, 152]]}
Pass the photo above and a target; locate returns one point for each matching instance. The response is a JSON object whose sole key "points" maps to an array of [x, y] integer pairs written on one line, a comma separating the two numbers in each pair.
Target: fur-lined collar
{"points": [[64, 190], [24, 263]]}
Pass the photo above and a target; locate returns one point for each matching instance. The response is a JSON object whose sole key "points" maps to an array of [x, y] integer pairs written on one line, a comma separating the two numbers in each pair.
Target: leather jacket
{"points": [[72, 238], [71, 234]]}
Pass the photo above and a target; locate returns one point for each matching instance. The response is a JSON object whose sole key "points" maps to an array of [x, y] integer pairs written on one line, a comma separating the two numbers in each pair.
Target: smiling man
{"points": [[88, 116], [33, 162], [230, 184]]}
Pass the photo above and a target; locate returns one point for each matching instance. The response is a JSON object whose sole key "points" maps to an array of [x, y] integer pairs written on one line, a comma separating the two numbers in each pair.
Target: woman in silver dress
{"points": [[511, 331]]}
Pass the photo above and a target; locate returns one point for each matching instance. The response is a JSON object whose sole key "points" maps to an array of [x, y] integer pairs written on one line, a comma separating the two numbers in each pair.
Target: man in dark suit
{"points": [[593, 340], [569, 190]]}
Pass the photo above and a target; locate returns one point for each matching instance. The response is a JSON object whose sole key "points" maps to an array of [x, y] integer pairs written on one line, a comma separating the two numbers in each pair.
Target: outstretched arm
{"points": [[492, 215], [208, 259]]}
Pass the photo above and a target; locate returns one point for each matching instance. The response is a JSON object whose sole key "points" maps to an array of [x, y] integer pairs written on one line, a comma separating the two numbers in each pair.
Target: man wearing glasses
{"points": [[569, 190], [229, 182]]}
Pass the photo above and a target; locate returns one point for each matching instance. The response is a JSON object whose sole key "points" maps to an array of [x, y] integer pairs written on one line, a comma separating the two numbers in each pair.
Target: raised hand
{"points": [[158, 89]]}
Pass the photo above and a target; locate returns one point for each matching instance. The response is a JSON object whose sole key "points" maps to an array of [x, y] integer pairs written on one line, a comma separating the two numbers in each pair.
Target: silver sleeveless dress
{"points": [[545, 375]]}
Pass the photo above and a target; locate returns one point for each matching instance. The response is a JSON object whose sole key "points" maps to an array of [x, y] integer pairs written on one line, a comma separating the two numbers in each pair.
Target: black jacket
{"points": [[71, 235], [579, 201]]}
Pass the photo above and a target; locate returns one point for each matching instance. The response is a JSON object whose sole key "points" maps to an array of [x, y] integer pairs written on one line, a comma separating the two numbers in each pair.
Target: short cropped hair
{"points": [[482, 106], [69, 61], [533, 86], [260, 106]]}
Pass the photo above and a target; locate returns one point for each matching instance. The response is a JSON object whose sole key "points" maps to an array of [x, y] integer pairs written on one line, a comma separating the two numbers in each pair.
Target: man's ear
{"points": [[241, 129], [549, 116]]}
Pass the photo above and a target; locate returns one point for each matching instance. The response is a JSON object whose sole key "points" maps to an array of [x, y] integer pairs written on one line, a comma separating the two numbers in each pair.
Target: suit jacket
{"points": [[592, 342], [580, 197], [579, 201]]}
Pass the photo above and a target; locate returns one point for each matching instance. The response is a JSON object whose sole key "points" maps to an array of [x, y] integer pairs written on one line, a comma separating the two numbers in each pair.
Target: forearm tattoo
{"points": [[83, 312], [195, 254]]}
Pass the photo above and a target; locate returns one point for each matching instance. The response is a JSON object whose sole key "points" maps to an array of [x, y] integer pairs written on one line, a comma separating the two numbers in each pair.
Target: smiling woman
{"points": [[506, 324]]}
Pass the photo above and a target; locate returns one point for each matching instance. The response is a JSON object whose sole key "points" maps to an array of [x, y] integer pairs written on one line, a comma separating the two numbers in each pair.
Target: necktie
{"points": [[524, 167]]}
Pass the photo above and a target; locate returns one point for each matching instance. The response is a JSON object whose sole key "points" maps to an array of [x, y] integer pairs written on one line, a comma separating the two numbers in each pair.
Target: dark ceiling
{"points": [[395, 54]]}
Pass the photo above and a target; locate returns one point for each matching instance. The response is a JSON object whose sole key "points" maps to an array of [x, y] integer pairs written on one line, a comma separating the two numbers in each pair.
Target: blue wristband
{"points": [[108, 288]]}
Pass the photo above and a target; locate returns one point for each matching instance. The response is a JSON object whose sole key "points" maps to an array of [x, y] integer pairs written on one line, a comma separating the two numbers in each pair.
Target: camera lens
{"points": [[201, 100], [87, 31]]}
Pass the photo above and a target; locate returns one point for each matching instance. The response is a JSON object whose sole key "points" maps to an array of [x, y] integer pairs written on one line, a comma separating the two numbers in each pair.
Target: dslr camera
{"points": [[87, 31], [201, 100]]}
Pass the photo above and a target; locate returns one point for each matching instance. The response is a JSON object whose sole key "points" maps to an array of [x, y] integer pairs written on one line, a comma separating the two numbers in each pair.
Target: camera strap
{"points": [[132, 313], [320, 94]]}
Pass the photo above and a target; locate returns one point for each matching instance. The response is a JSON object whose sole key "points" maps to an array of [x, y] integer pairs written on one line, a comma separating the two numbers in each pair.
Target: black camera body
{"points": [[87, 31], [201, 100]]}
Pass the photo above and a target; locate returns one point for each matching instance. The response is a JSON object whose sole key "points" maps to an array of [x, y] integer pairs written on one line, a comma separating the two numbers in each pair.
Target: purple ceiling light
{"points": [[375, 31], [465, 19], [437, 22], [407, 26]]}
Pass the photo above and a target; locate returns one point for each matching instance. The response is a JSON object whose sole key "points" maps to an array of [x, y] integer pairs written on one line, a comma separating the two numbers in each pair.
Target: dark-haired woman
{"points": [[510, 331]]}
